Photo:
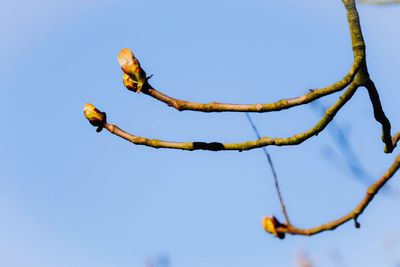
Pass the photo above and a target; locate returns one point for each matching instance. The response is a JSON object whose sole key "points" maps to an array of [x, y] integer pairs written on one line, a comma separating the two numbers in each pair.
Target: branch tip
{"points": [[95, 117], [272, 225], [134, 76]]}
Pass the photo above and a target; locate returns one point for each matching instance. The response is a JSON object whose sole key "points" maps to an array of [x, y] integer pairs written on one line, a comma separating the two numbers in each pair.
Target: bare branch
{"points": [[271, 165], [263, 141], [359, 58], [371, 2], [380, 116], [135, 79], [282, 104], [282, 229]]}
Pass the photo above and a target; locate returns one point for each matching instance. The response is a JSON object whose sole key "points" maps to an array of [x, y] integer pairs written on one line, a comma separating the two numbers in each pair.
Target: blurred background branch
{"points": [[382, 2]]}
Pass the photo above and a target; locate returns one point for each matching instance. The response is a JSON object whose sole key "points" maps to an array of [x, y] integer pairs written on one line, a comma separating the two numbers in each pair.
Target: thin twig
{"points": [[357, 76], [380, 116], [263, 141], [271, 165], [353, 215], [358, 47], [389, 2], [351, 160], [282, 104]]}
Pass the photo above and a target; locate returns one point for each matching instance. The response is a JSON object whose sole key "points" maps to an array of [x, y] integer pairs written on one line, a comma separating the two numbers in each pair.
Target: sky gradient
{"points": [[72, 197]]}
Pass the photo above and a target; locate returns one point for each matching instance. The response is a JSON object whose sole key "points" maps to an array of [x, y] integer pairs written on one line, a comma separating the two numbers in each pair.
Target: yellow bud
{"points": [[128, 83], [270, 225], [94, 116], [125, 57], [129, 64]]}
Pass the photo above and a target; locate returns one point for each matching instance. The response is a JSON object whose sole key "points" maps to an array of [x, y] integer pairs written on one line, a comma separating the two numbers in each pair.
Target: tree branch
{"points": [[364, 79], [278, 229], [282, 104], [358, 46], [135, 79], [264, 141], [371, 2], [271, 165], [379, 114]]}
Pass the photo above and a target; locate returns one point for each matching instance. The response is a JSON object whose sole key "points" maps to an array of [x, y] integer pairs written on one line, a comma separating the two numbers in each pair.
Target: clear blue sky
{"points": [[72, 197]]}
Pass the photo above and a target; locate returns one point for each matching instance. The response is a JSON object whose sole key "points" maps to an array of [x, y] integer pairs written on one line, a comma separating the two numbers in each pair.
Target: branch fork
{"points": [[136, 80]]}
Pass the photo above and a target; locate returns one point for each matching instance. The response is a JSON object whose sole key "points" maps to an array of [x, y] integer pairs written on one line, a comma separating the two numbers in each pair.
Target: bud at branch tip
{"points": [[95, 117], [134, 77], [270, 225]]}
